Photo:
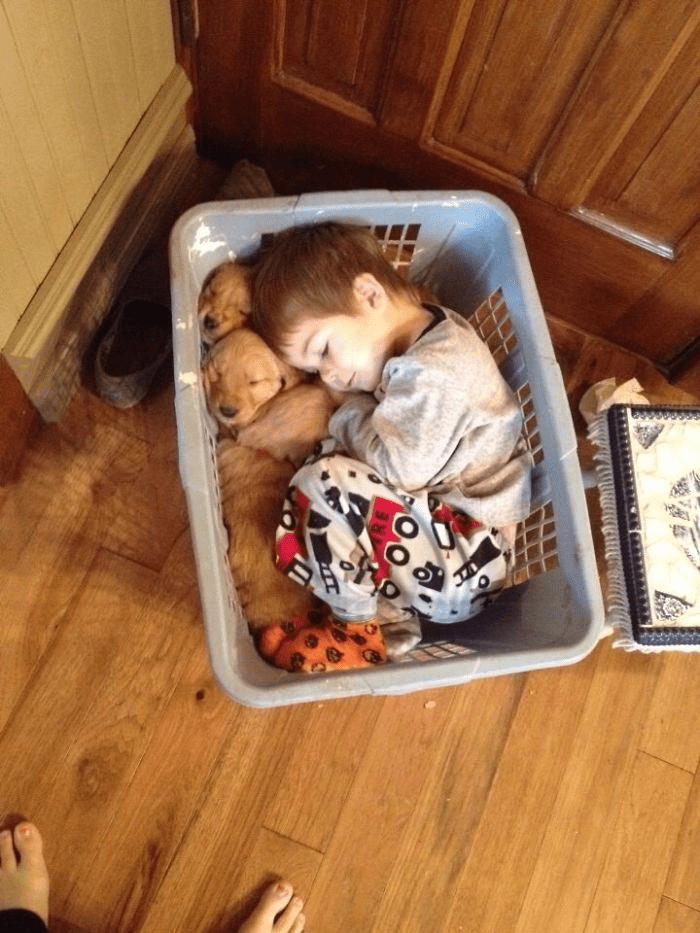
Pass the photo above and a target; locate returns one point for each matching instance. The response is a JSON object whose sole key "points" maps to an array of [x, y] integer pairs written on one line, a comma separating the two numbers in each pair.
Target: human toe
{"points": [[275, 898], [24, 878], [291, 920], [30, 846], [8, 862], [298, 926]]}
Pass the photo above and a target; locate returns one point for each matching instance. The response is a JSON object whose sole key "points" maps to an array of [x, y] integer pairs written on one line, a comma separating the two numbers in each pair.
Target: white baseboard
{"points": [[46, 348]]}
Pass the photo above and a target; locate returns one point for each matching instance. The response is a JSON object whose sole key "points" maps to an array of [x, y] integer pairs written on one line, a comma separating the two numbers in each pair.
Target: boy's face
{"points": [[347, 351]]}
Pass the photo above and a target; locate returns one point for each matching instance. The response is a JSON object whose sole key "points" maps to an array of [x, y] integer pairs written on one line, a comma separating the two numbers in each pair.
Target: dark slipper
{"points": [[138, 341]]}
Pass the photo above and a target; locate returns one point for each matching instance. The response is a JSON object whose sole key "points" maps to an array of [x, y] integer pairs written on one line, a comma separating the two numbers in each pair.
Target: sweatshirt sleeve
{"points": [[444, 408]]}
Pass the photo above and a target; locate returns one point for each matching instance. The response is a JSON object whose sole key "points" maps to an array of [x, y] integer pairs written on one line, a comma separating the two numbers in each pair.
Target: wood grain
{"points": [[582, 117], [641, 842], [676, 918], [683, 882], [566, 799]]}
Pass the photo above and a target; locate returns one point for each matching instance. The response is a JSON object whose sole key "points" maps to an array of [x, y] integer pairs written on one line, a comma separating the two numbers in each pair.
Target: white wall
{"points": [[76, 76]]}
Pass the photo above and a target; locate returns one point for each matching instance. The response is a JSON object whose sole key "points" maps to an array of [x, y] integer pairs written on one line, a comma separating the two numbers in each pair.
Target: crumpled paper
{"points": [[606, 393]]}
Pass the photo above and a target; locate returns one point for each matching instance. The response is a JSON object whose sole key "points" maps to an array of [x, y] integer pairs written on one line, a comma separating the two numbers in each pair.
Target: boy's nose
{"points": [[326, 371]]}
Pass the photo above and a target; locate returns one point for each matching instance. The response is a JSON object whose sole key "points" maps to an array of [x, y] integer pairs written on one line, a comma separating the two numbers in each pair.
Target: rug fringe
{"points": [[617, 604]]}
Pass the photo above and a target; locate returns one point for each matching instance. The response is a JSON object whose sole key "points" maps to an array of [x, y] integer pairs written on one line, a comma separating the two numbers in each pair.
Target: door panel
{"points": [[340, 49], [583, 116], [514, 76], [630, 67]]}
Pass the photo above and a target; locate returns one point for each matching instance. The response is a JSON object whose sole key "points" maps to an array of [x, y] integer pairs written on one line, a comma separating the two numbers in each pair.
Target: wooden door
{"points": [[584, 115]]}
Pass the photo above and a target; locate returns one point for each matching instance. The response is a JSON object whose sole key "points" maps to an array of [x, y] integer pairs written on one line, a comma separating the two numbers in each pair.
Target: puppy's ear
{"points": [[288, 374], [245, 300], [210, 369]]}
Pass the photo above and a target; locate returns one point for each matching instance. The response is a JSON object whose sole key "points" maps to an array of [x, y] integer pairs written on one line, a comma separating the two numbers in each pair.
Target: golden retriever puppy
{"points": [[253, 480], [289, 426], [253, 485], [224, 302], [240, 374]]}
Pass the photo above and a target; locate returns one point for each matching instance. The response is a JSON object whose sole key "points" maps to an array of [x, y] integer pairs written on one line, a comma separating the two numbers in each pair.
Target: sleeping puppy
{"points": [[240, 374], [224, 302], [253, 480]]}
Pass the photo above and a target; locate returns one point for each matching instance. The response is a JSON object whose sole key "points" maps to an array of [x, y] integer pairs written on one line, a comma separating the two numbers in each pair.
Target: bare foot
{"points": [[24, 882], [276, 900]]}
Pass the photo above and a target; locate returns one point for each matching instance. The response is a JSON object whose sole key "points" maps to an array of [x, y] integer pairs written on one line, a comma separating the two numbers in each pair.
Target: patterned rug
{"points": [[648, 464]]}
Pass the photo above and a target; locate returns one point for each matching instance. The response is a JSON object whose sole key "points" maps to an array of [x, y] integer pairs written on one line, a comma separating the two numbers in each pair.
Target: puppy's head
{"points": [[241, 374], [224, 302]]}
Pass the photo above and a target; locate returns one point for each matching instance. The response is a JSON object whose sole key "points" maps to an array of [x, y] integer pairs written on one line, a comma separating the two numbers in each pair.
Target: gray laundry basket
{"points": [[467, 246]]}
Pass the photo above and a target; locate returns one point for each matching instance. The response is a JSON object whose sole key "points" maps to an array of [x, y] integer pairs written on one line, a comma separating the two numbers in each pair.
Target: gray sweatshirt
{"points": [[443, 418]]}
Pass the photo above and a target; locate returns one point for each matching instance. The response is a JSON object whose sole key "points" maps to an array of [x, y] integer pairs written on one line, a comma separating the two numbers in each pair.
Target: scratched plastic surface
{"points": [[467, 247]]}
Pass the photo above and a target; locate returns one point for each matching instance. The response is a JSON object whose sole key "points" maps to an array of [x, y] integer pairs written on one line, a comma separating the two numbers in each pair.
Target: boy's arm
{"points": [[423, 433]]}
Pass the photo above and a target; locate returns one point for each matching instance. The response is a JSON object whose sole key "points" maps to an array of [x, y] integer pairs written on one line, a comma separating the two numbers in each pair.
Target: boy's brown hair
{"points": [[309, 270]]}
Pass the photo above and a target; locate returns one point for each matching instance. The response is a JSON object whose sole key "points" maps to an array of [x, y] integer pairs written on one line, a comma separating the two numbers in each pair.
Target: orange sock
{"points": [[321, 643]]}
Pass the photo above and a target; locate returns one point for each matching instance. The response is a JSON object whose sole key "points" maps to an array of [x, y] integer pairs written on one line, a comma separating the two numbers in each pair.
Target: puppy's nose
{"points": [[227, 411], [209, 322]]}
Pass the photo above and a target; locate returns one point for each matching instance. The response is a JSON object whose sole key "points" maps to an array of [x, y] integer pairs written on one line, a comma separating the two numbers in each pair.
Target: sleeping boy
{"points": [[408, 511]]}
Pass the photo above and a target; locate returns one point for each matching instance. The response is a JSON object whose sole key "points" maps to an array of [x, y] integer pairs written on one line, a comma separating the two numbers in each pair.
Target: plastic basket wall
{"points": [[467, 247]]}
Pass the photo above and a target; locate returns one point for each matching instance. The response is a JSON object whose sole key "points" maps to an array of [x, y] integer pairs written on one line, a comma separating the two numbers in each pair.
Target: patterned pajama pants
{"points": [[355, 541]]}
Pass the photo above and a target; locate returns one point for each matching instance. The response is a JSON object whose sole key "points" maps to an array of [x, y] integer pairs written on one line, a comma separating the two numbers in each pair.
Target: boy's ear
{"points": [[367, 288]]}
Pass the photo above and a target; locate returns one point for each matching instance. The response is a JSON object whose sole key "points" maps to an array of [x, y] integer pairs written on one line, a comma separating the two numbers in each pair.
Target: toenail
{"points": [[282, 890], [25, 830]]}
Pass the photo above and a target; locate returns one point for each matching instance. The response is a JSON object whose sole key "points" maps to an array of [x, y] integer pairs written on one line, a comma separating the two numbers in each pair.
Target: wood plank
{"points": [[411, 745], [683, 883], [49, 47], [270, 858], [138, 841], [676, 918], [21, 207], [641, 843], [106, 44], [373, 819], [571, 858], [77, 741], [632, 63], [337, 734], [23, 116], [673, 295], [423, 59], [648, 182], [196, 891], [540, 60], [16, 281], [152, 45], [162, 802], [47, 564], [449, 809], [585, 361], [487, 894], [666, 735]]}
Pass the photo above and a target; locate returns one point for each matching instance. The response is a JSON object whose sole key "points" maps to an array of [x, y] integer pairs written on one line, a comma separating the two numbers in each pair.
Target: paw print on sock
{"points": [[372, 656]]}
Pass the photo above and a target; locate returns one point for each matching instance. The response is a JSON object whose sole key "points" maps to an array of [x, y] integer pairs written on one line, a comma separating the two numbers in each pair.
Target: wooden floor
{"points": [[565, 801]]}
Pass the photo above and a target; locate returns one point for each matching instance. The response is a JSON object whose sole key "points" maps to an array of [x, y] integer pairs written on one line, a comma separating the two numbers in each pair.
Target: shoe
{"points": [[139, 340]]}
